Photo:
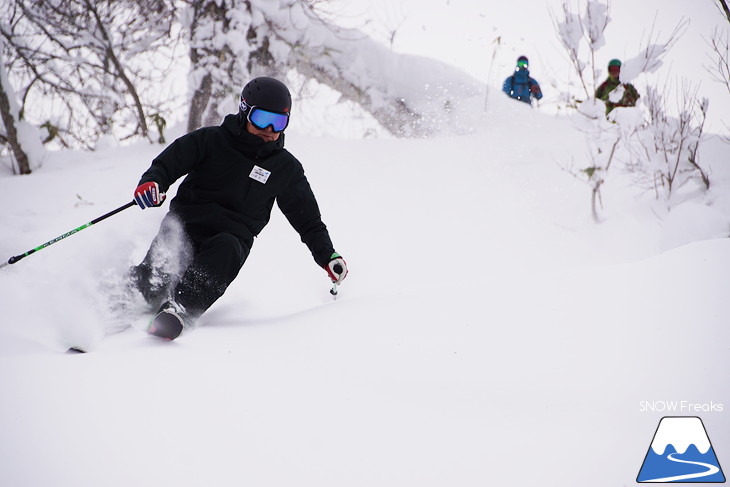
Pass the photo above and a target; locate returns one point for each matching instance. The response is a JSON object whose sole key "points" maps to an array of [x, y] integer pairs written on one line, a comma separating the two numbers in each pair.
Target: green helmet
{"points": [[614, 62]]}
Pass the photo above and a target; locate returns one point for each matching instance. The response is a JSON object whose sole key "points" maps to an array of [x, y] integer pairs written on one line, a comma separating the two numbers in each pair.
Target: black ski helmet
{"points": [[267, 93]]}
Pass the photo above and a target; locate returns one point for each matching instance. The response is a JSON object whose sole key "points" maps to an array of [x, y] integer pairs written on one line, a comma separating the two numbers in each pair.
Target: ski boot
{"points": [[169, 321]]}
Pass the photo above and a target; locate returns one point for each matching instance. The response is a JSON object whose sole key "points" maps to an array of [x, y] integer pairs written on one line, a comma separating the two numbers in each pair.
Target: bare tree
{"points": [[84, 61], [675, 140], [574, 31], [693, 156], [583, 35], [720, 67], [662, 152], [10, 121], [23, 139], [725, 9], [595, 21]]}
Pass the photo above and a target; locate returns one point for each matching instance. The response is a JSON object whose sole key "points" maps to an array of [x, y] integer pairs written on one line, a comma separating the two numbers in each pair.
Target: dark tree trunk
{"points": [[12, 132]]}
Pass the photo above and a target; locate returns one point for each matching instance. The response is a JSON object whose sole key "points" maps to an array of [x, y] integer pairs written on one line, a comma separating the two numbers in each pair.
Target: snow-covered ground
{"points": [[489, 333]]}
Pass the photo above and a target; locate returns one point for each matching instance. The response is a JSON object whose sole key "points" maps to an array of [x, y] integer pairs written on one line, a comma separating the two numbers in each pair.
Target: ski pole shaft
{"points": [[16, 258], [338, 269]]}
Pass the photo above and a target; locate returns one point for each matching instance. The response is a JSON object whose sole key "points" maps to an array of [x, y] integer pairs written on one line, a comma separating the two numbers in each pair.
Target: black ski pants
{"points": [[191, 268]]}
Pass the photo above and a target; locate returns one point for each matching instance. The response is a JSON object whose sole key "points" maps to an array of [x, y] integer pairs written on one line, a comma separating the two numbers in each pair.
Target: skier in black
{"points": [[235, 172]]}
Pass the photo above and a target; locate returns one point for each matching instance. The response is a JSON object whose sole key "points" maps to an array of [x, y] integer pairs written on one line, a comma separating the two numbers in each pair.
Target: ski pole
{"points": [[15, 259]]}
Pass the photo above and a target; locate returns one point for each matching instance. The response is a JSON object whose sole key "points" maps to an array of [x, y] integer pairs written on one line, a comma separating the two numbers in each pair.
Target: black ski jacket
{"points": [[233, 179]]}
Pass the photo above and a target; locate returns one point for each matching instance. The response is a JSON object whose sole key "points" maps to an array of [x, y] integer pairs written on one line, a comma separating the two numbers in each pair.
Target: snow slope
{"points": [[489, 332]]}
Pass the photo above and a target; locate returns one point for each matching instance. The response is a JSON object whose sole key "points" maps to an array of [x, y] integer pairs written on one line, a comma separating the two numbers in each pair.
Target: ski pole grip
{"points": [[337, 268]]}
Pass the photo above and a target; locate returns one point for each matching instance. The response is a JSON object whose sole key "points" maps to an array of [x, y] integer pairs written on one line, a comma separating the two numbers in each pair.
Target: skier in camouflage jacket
{"points": [[610, 90]]}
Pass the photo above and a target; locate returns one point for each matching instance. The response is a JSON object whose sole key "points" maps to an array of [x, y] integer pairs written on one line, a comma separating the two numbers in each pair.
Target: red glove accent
{"points": [[148, 195]]}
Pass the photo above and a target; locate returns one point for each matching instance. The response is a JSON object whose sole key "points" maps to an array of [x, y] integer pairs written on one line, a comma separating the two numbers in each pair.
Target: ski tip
{"points": [[75, 350]]}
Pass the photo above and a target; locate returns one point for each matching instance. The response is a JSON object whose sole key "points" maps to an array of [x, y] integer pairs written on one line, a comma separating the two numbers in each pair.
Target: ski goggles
{"points": [[261, 119], [521, 64]]}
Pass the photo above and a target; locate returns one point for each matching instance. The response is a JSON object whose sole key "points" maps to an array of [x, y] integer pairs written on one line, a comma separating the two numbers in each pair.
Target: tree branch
{"points": [[725, 8]]}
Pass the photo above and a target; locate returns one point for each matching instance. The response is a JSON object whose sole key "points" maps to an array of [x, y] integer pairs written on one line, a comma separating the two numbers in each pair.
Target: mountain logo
{"points": [[681, 452]]}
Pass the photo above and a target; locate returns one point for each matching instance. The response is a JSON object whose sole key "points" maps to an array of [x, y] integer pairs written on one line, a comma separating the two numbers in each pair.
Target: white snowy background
{"points": [[489, 332]]}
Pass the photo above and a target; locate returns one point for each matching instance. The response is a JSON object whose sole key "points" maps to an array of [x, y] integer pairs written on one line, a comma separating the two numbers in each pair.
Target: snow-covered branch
{"points": [[651, 53], [583, 34], [233, 40], [391, 86], [84, 66], [570, 33]]}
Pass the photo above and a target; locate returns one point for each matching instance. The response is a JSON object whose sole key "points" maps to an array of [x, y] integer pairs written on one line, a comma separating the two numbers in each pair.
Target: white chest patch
{"points": [[260, 174]]}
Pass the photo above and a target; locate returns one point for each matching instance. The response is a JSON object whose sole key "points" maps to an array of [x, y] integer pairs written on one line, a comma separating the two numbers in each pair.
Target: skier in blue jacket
{"points": [[520, 86]]}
